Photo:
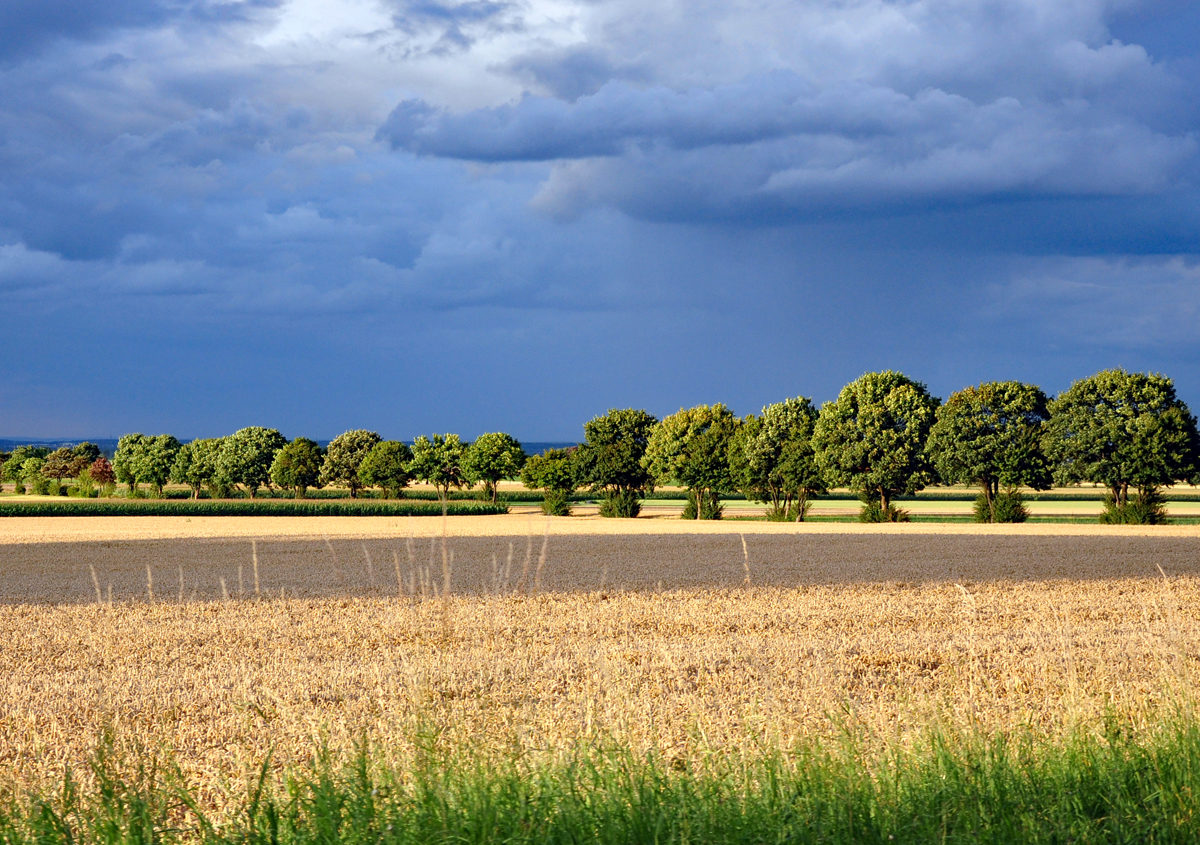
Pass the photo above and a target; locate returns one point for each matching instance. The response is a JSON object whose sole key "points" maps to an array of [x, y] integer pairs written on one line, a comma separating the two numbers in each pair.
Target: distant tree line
{"points": [[884, 436]]}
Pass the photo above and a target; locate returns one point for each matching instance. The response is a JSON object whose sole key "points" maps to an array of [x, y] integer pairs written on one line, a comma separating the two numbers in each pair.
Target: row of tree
{"points": [[884, 436]]}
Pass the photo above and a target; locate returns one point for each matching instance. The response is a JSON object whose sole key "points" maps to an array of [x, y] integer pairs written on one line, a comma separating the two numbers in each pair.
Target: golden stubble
{"points": [[687, 672]]}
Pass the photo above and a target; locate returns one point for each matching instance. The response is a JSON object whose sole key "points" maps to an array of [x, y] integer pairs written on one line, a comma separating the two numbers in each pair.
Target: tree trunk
{"points": [[989, 494]]}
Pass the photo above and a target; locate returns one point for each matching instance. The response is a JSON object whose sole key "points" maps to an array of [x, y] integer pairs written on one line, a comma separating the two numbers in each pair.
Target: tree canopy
{"points": [[245, 457], [492, 458], [771, 459], [345, 455], [297, 466], [142, 459], [990, 436], [438, 461], [872, 438], [1122, 430], [196, 465], [555, 473], [387, 466], [691, 447]]}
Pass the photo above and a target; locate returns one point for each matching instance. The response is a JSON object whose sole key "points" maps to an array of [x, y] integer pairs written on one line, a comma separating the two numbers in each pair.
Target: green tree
{"points": [[772, 461], [610, 459], [387, 466], [125, 460], [13, 463], [554, 472], [88, 451], [691, 447], [872, 440], [196, 466], [245, 457], [990, 437], [438, 461], [31, 474], [492, 458], [345, 455], [1123, 430], [297, 466]]}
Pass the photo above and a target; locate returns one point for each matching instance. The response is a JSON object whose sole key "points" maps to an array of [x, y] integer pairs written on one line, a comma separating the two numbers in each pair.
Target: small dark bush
{"points": [[710, 507], [624, 503], [1143, 508], [1009, 505], [556, 503], [872, 512]]}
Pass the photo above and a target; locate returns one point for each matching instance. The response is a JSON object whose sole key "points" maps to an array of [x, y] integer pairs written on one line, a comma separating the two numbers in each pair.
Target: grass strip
{"points": [[243, 507], [1090, 787]]}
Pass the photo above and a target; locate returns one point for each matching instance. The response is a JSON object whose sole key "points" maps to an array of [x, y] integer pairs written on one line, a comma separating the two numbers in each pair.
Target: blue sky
{"points": [[514, 214]]}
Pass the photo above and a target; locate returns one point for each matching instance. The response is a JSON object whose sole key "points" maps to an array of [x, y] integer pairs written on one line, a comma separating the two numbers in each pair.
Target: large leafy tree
{"points": [[65, 463], [610, 459], [345, 455], [196, 465], [990, 437], [772, 461], [18, 456], [872, 439], [492, 458], [245, 457], [141, 459], [1122, 430], [101, 472], [297, 466], [387, 466], [437, 460], [554, 472], [691, 447]]}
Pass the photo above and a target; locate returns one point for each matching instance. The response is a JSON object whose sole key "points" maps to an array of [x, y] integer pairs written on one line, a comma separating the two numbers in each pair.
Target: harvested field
{"points": [[873, 631]]}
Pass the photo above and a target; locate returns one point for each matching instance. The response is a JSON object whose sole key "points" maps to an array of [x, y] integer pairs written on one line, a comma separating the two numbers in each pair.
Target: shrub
{"points": [[1146, 507], [621, 503], [873, 511], [556, 503], [1007, 506], [710, 506]]}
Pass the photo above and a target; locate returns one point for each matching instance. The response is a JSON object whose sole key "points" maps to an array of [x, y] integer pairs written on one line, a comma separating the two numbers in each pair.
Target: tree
{"points": [[101, 472], [245, 457], [491, 458], [610, 459], [145, 460], [196, 465], [17, 458], [872, 440], [31, 473], [772, 461], [64, 463], [88, 451], [438, 461], [297, 466], [990, 437], [387, 466], [553, 472], [345, 455], [129, 451], [691, 447], [1123, 430]]}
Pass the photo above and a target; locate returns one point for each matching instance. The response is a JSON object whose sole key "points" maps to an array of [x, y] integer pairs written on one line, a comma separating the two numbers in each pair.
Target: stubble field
{"points": [[666, 636]]}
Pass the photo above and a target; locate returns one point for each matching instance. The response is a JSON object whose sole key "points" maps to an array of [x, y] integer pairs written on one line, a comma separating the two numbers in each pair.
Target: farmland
{"points": [[668, 636]]}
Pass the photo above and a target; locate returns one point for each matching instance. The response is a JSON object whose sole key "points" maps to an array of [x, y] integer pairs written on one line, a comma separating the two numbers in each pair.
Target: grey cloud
{"points": [[576, 71]]}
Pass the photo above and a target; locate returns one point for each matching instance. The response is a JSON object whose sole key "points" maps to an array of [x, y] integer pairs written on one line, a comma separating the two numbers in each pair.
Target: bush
{"points": [[556, 503], [710, 506], [794, 512], [622, 503], [1146, 507], [872, 511], [39, 485], [19, 489], [1009, 507]]}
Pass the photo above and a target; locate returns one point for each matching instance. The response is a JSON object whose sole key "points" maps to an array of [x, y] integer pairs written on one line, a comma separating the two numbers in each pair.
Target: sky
{"points": [[513, 215]]}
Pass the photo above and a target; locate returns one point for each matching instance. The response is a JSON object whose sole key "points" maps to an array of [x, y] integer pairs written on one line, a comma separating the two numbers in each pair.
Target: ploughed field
{"points": [[675, 638]]}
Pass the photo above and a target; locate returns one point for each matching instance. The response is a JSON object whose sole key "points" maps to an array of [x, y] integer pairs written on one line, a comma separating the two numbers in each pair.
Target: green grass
{"points": [[1087, 787], [241, 507]]}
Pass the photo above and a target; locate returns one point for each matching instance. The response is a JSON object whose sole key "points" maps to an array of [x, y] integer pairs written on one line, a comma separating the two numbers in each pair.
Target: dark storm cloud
{"points": [[469, 216]]}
